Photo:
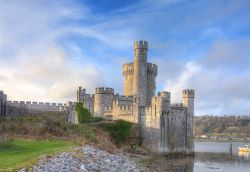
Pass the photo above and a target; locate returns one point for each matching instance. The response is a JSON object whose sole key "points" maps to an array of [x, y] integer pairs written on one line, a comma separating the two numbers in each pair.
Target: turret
{"points": [[188, 100], [3, 103], [167, 97], [151, 81], [128, 76], [103, 97], [80, 93], [140, 71]]}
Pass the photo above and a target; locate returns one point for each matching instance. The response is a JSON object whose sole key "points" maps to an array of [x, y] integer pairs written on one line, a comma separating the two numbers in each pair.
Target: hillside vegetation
{"points": [[23, 139], [224, 126]]}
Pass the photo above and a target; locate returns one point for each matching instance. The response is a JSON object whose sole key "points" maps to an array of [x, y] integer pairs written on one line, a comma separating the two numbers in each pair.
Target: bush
{"points": [[83, 114], [120, 131]]}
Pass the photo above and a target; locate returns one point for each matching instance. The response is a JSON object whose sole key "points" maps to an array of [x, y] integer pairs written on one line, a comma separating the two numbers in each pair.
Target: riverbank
{"points": [[86, 158]]}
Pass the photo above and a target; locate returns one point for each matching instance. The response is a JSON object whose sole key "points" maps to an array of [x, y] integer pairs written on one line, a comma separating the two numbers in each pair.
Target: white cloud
{"points": [[221, 88], [183, 81], [38, 62], [33, 64], [48, 77]]}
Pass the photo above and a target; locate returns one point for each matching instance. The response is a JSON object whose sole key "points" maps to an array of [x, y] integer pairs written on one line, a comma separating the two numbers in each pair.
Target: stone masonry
{"points": [[23, 108], [165, 128]]}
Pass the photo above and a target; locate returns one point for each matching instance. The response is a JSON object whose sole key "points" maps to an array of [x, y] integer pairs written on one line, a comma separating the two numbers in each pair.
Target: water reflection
{"points": [[209, 157], [184, 164], [245, 155]]}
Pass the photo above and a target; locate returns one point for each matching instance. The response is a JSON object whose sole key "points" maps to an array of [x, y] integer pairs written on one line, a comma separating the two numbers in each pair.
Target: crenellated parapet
{"points": [[128, 69], [104, 90], [103, 97], [141, 45], [188, 93], [174, 105], [124, 98], [188, 96], [37, 105], [125, 112]]}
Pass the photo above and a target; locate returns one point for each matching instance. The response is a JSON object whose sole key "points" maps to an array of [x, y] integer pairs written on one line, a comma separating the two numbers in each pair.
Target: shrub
{"points": [[120, 131], [83, 114], [40, 127]]}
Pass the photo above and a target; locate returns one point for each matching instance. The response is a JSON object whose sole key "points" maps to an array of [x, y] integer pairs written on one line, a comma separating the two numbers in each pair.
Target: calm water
{"points": [[209, 157]]}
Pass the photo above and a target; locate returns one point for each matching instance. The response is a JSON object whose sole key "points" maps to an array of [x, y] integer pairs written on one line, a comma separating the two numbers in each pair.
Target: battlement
{"points": [[125, 107], [83, 90], [165, 94], [157, 99], [141, 45], [107, 108], [152, 69], [123, 100], [104, 90], [136, 100], [176, 105], [128, 69], [89, 96], [188, 93], [178, 110], [36, 105], [146, 110]]}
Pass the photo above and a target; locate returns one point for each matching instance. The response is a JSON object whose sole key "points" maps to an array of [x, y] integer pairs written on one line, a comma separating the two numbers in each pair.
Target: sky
{"points": [[49, 48]]}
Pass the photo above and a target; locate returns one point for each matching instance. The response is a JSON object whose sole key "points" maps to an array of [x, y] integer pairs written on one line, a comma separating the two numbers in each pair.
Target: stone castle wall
{"points": [[3, 103], [166, 129], [37, 105], [57, 111], [16, 108], [126, 108]]}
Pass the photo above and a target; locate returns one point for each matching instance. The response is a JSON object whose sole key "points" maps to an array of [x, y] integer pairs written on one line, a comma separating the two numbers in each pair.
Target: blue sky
{"points": [[49, 48]]}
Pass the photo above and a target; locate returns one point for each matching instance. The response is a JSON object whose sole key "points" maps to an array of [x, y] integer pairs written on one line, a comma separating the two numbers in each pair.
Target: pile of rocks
{"points": [[86, 159]]}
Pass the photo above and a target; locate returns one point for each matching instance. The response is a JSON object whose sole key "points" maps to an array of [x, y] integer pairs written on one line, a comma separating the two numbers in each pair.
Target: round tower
{"points": [[103, 97], [151, 81], [128, 76], [188, 100], [140, 71]]}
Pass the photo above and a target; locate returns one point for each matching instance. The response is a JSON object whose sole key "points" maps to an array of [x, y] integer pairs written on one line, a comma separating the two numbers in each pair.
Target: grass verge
{"points": [[19, 153]]}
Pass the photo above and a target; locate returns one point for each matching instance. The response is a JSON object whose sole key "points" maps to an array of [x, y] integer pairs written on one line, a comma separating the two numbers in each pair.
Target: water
{"points": [[209, 157]]}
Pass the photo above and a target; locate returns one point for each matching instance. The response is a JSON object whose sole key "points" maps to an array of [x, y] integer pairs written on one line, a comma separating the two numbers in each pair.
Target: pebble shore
{"points": [[86, 159]]}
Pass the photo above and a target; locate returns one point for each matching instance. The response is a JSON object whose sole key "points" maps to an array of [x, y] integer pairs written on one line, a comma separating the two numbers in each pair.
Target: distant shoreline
{"points": [[222, 140]]}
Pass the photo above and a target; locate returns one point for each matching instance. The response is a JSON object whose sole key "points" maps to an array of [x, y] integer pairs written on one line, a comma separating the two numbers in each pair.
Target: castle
{"points": [[164, 127]]}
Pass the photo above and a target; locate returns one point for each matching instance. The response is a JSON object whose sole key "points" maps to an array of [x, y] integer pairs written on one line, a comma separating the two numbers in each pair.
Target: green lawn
{"points": [[20, 153]]}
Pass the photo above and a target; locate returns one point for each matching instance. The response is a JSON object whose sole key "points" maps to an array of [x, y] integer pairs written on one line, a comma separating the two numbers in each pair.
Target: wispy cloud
{"points": [[48, 48]]}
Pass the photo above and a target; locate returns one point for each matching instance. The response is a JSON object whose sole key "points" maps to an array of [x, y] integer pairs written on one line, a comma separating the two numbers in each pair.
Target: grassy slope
{"points": [[18, 153]]}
